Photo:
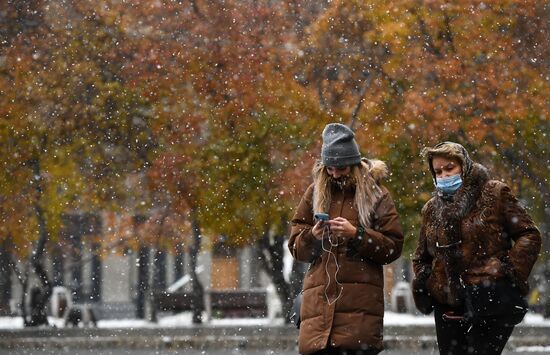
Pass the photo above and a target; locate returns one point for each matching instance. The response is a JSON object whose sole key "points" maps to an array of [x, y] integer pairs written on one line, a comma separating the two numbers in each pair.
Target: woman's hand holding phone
{"points": [[341, 227], [318, 229]]}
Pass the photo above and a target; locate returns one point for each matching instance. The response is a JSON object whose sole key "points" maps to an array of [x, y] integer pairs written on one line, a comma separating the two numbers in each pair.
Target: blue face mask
{"points": [[450, 184]]}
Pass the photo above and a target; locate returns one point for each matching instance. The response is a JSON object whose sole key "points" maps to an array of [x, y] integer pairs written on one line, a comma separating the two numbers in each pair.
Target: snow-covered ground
{"points": [[184, 320]]}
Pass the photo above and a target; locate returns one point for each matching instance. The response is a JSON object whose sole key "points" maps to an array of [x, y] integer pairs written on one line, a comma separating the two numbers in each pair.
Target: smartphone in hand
{"points": [[323, 217]]}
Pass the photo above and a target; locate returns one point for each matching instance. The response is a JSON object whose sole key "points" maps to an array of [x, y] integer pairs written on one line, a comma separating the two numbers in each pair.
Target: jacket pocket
{"points": [[492, 269]]}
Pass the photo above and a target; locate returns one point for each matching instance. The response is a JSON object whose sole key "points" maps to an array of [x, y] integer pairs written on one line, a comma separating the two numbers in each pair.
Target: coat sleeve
{"points": [[302, 244], [422, 259], [422, 266], [527, 240], [382, 243]]}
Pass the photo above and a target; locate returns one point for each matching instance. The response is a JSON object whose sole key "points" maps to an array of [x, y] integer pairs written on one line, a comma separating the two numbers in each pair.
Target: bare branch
{"points": [[196, 9], [360, 102], [448, 33], [428, 40], [516, 161], [322, 101]]}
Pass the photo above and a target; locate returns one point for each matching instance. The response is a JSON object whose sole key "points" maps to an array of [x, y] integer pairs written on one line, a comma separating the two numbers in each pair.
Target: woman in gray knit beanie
{"points": [[346, 227]]}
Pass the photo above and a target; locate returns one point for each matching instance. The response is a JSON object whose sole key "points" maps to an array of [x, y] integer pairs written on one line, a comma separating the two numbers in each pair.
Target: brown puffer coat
{"points": [[493, 237], [355, 319]]}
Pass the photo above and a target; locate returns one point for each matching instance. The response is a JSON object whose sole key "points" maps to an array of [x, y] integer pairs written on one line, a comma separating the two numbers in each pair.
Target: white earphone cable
{"points": [[328, 235]]}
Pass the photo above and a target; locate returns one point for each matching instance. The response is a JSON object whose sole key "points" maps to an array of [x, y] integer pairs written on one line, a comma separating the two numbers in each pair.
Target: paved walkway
{"points": [[67, 351], [413, 339], [198, 352]]}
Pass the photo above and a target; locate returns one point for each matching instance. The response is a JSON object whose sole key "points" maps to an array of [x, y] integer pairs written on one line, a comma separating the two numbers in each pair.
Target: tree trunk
{"points": [[5, 280], [75, 242], [40, 295], [39, 299], [142, 281], [197, 300], [24, 279], [159, 282], [58, 267], [545, 229], [271, 258], [160, 271], [95, 292], [150, 296]]}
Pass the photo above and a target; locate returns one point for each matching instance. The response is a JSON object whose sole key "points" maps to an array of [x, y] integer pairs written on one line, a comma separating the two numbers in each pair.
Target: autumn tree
{"points": [[234, 122], [71, 131]]}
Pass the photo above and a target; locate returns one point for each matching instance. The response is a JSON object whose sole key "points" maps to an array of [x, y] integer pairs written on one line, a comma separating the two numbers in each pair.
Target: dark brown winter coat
{"points": [[355, 320], [480, 235]]}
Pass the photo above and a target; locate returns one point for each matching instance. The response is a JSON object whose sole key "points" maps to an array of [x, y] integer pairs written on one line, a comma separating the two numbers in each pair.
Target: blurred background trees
{"points": [[204, 117]]}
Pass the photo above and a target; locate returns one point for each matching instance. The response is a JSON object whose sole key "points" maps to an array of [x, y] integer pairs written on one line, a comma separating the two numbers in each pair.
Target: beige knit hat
{"points": [[449, 150]]}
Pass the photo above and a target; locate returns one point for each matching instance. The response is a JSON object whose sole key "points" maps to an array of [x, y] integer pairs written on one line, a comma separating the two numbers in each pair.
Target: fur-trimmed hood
{"points": [[377, 168], [364, 179]]}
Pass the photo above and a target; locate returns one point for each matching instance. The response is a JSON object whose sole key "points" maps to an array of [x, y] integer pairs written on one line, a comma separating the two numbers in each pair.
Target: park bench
{"points": [[219, 303], [175, 302], [238, 303]]}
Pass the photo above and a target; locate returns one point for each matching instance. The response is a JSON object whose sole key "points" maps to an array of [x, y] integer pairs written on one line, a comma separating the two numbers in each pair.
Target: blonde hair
{"points": [[367, 191]]}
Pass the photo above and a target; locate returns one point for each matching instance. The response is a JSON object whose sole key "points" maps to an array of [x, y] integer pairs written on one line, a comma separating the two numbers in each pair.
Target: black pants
{"points": [[457, 337], [338, 351]]}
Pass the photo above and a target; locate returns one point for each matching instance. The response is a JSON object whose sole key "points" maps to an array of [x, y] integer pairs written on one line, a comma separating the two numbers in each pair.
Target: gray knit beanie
{"points": [[339, 146]]}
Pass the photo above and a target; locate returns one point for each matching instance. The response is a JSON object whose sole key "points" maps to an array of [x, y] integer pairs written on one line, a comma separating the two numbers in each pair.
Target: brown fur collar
{"points": [[377, 168]]}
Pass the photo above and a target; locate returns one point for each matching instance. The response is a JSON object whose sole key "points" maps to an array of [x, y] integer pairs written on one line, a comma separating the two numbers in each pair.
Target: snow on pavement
{"points": [[184, 320]]}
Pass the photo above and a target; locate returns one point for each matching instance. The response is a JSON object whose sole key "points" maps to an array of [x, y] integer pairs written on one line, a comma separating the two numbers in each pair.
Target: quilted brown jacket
{"points": [[479, 236], [354, 319]]}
